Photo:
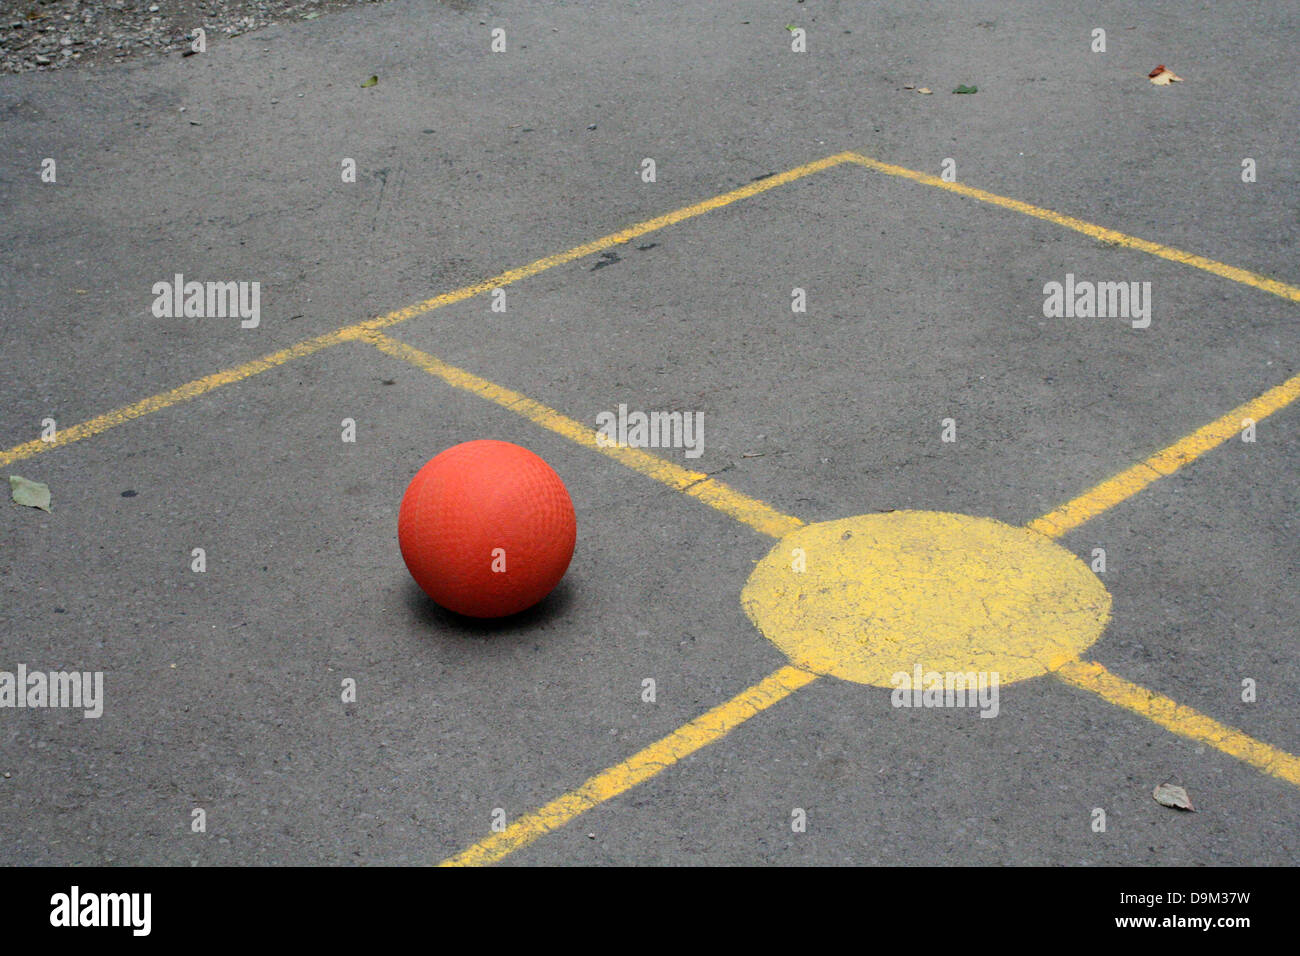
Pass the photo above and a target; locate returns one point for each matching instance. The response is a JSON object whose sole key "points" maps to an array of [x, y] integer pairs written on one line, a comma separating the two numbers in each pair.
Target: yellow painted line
{"points": [[1244, 276], [209, 382], [686, 740], [613, 239], [1181, 720], [758, 515], [1164, 462], [182, 393]]}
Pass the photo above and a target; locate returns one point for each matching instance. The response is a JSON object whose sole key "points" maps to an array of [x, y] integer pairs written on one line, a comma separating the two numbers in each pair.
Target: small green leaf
{"points": [[370, 82], [33, 494], [791, 27], [967, 89]]}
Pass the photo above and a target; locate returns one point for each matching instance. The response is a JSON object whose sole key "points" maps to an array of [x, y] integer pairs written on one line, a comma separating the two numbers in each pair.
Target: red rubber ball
{"points": [[486, 528]]}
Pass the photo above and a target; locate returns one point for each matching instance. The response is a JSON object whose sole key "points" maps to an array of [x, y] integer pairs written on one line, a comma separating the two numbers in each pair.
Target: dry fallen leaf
{"points": [[1168, 795], [925, 90], [1163, 76], [32, 494]]}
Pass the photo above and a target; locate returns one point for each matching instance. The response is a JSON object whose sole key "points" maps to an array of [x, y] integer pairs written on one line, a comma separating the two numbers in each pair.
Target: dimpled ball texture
{"points": [[480, 505]]}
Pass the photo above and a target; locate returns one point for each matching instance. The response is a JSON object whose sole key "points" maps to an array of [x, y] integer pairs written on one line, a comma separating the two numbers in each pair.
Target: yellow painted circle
{"points": [[882, 593]]}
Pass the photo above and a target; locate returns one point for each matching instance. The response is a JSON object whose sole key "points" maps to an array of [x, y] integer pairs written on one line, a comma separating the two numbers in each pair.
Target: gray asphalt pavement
{"points": [[222, 689]]}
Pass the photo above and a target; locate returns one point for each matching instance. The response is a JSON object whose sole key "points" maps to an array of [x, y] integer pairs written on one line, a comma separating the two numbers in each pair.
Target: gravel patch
{"points": [[55, 34]]}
